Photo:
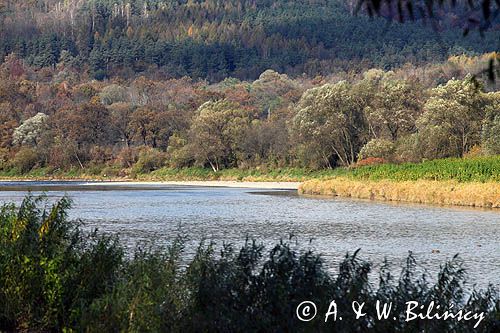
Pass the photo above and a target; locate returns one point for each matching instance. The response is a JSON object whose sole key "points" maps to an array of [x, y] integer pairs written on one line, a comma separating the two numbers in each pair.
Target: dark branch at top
{"points": [[474, 14], [482, 15]]}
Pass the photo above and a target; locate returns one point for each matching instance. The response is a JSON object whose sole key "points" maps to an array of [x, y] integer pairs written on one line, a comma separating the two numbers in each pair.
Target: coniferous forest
{"points": [[216, 39]]}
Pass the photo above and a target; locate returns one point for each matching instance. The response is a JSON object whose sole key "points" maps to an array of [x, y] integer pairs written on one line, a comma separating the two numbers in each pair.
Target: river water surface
{"points": [[156, 214]]}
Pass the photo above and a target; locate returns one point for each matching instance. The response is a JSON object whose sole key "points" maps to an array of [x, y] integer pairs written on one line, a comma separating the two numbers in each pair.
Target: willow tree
{"points": [[491, 125], [329, 124], [454, 113], [394, 107], [216, 133], [31, 131]]}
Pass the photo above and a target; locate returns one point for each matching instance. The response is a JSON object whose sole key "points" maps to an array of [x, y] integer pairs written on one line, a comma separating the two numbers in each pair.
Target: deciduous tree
{"points": [[329, 122], [216, 133], [454, 113], [30, 131]]}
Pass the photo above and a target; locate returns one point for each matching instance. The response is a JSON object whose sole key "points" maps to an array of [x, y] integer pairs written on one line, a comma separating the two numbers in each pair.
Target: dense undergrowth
{"points": [[53, 277]]}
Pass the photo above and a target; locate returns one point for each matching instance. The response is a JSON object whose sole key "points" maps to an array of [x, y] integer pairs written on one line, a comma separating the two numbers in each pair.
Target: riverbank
{"points": [[472, 194], [229, 184], [471, 182], [174, 175], [478, 169]]}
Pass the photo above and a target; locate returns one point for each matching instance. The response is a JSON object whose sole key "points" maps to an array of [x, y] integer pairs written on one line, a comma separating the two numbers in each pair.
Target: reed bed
{"points": [[474, 194]]}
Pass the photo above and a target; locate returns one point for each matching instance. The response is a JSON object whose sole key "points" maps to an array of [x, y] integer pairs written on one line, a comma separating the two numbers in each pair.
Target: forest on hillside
{"points": [[216, 39], [55, 119], [123, 87]]}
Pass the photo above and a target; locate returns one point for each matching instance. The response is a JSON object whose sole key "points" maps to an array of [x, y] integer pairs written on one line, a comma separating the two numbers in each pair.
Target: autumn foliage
{"points": [[52, 122]]}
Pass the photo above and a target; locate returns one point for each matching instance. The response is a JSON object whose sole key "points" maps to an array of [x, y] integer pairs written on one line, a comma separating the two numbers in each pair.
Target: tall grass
{"points": [[463, 182], [480, 169], [54, 278]]}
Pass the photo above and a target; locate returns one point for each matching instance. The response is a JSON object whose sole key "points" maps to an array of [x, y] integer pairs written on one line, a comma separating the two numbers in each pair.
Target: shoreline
{"points": [[208, 183], [442, 193], [271, 185]]}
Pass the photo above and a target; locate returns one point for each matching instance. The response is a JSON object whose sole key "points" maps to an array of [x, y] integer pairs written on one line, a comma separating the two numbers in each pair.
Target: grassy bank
{"points": [[462, 182], [473, 194], [54, 278]]}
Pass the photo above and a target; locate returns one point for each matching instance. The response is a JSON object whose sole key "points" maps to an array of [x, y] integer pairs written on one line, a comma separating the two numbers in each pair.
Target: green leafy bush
{"points": [[49, 271]]}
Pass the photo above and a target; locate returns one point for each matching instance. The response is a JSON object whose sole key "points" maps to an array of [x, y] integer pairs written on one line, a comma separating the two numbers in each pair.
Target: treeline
{"points": [[53, 119], [215, 39], [54, 277]]}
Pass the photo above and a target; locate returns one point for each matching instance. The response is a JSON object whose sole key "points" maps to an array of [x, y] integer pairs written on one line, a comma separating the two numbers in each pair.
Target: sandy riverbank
{"points": [[215, 183]]}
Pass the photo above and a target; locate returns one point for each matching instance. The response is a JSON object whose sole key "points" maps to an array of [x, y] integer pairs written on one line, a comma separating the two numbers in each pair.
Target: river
{"points": [[157, 214]]}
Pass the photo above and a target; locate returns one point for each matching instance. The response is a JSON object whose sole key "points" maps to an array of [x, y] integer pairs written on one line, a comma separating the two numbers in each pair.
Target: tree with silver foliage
{"points": [[217, 132], [395, 105], [31, 131], [329, 124], [452, 118], [491, 126]]}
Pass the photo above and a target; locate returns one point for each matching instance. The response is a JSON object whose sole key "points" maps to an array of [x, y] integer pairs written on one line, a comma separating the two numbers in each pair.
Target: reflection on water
{"points": [[157, 214]]}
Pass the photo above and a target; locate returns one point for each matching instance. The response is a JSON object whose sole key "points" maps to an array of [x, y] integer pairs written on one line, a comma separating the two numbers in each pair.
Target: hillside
{"points": [[216, 39]]}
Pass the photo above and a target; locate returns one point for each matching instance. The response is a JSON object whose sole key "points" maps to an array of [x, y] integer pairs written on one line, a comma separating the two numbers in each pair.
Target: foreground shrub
{"points": [[54, 278], [49, 272]]}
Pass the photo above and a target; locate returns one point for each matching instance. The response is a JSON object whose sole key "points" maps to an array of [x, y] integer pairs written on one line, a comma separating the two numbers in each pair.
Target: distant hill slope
{"points": [[214, 39]]}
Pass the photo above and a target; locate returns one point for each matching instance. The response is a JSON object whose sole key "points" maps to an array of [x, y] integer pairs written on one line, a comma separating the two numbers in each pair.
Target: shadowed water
{"points": [[157, 214]]}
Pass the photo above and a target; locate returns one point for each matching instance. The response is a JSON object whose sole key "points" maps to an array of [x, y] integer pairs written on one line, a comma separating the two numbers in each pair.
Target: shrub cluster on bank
{"points": [[53, 277]]}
